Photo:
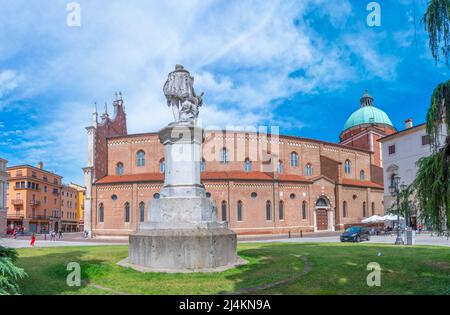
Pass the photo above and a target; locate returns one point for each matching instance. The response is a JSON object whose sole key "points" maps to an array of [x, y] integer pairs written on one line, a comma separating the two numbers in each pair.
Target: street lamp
{"points": [[395, 189]]}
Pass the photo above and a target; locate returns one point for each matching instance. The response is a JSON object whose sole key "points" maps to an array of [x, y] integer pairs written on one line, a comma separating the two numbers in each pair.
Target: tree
{"points": [[433, 179], [9, 273], [437, 22]]}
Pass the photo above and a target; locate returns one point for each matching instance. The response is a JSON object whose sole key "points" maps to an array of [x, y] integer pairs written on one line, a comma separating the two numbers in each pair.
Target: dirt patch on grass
{"points": [[442, 265]]}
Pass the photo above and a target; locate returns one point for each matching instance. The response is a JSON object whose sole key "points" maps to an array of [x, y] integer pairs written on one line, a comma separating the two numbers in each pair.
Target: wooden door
{"points": [[322, 219]]}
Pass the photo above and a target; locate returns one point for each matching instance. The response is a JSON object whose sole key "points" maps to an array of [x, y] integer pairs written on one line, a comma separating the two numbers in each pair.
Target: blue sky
{"points": [[301, 65]]}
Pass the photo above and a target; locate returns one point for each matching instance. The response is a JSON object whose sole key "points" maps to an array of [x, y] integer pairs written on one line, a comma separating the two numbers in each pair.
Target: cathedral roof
{"points": [[367, 114]]}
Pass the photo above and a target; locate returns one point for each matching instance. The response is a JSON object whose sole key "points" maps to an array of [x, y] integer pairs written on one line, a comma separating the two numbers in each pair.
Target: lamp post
{"points": [[395, 190]]}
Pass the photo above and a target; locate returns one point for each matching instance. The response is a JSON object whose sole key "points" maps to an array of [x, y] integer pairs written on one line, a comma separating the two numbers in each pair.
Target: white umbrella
{"points": [[391, 217], [373, 219]]}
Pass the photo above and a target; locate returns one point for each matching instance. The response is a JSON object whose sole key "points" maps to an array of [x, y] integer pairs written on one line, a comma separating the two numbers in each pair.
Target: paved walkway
{"points": [[424, 239], [78, 240]]}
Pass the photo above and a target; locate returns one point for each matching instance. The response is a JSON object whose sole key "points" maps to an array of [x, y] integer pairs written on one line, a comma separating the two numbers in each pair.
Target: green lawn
{"points": [[336, 269]]}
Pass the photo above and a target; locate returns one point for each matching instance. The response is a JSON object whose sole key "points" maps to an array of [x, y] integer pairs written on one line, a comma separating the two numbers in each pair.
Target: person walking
{"points": [[33, 240]]}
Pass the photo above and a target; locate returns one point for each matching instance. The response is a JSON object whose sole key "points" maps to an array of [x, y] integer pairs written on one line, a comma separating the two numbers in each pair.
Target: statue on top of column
{"points": [[180, 95]]}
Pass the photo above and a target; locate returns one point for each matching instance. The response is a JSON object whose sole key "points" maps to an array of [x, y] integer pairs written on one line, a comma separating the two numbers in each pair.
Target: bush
{"points": [[9, 273]]}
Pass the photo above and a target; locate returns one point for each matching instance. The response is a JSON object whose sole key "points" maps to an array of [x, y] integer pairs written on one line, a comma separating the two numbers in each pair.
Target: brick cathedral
{"points": [[261, 183]]}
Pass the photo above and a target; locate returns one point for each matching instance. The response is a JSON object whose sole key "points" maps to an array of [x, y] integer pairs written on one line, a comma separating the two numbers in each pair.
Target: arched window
{"points": [[347, 166], [140, 158], [304, 210], [268, 210], [373, 208], [281, 210], [239, 210], [224, 210], [364, 209], [142, 212], [294, 159], [127, 212], [101, 215], [224, 156], [362, 175], [202, 165], [162, 166], [280, 167], [248, 165], [308, 169], [119, 169], [344, 209], [321, 203]]}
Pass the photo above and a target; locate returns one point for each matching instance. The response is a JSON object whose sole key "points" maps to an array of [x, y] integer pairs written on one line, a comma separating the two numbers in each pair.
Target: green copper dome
{"points": [[367, 114]]}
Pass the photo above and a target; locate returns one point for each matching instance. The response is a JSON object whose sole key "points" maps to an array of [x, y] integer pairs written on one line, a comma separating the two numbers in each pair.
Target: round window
{"points": [[354, 197], [254, 195], [156, 196], [114, 197], [208, 194], [292, 196]]}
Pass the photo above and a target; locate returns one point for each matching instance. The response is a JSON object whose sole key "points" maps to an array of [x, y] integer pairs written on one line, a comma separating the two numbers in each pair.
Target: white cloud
{"points": [[242, 54]]}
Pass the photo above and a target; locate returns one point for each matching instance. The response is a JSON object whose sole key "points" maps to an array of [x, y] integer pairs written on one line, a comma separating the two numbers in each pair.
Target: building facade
{"points": [[261, 183], [33, 199], [69, 209], [401, 152], [81, 192], [3, 188], [37, 201]]}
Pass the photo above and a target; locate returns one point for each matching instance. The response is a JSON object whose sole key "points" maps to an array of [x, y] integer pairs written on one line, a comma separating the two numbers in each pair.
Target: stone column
{"points": [[182, 232]]}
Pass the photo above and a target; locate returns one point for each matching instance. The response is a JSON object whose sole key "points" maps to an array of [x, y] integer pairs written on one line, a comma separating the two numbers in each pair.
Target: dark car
{"points": [[355, 234]]}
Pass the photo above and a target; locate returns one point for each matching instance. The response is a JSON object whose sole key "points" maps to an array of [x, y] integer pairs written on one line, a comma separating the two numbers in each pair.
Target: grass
{"points": [[337, 269]]}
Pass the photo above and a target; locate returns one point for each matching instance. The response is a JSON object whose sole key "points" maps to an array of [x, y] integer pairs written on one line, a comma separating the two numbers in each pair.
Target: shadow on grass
{"points": [[47, 273]]}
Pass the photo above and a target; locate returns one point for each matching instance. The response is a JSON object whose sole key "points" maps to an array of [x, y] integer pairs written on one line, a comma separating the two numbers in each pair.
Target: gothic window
{"points": [[280, 167], [140, 158], [101, 217], [239, 210], [294, 159], [142, 212], [364, 209], [347, 166], [362, 175], [162, 166], [268, 210], [304, 210], [308, 169], [281, 210], [248, 165], [344, 209], [373, 208], [224, 210], [119, 169], [127, 212], [224, 156]]}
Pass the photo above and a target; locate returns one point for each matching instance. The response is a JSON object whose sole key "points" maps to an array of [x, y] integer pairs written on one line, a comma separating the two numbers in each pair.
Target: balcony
{"points": [[35, 203], [40, 217], [15, 216], [17, 202]]}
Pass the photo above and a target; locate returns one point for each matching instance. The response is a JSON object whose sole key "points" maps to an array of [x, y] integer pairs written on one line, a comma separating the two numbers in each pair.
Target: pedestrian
{"points": [[33, 240], [60, 236], [15, 234]]}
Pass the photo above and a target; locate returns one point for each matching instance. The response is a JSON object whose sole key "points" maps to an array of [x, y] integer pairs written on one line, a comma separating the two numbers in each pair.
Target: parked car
{"points": [[355, 234]]}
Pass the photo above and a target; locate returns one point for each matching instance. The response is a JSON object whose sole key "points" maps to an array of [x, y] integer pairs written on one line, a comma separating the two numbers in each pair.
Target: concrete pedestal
{"points": [[183, 250]]}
